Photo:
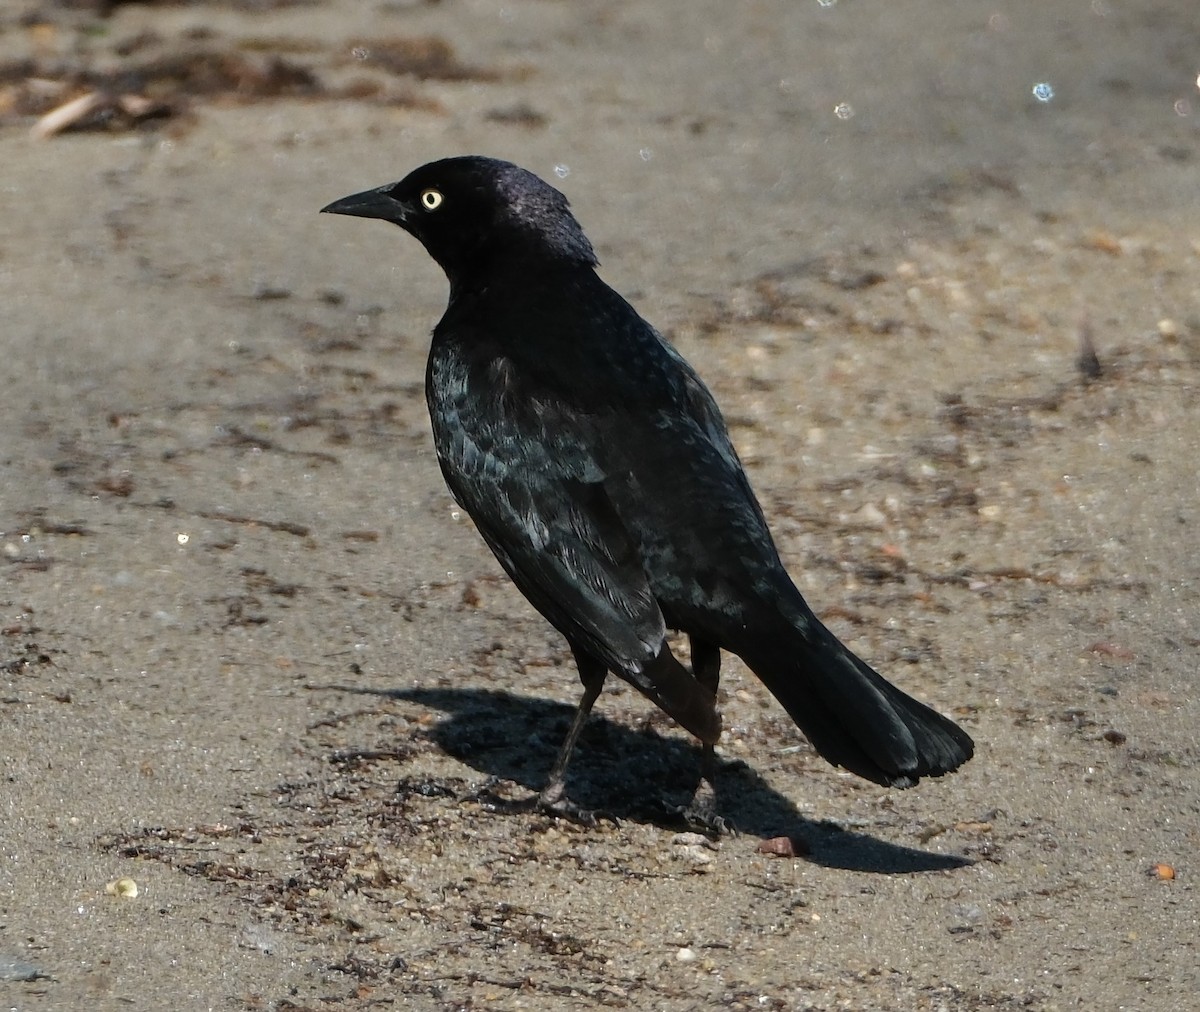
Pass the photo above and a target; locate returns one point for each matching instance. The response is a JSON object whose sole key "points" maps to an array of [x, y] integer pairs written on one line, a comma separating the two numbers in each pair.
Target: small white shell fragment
{"points": [[57, 120], [694, 840], [126, 888]]}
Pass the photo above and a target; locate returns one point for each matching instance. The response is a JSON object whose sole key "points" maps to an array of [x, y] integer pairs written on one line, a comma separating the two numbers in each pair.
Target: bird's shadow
{"points": [[638, 775]]}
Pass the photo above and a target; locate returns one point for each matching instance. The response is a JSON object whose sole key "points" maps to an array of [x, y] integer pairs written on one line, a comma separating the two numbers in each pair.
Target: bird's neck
{"points": [[512, 284]]}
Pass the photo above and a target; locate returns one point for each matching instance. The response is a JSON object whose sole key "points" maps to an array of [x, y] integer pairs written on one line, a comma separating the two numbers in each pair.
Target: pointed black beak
{"points": [[377, 203]]}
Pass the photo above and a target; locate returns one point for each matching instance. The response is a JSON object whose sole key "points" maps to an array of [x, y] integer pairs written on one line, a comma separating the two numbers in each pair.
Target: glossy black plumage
{"points": [[597, 467]]}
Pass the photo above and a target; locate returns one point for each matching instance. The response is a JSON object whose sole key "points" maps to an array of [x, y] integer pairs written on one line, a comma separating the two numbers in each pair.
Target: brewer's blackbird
{"points": [[598, 468]]}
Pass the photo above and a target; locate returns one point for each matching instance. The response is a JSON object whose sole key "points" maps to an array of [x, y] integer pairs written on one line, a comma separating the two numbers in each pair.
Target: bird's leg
{"points": [[701, 811], [553, 797]]}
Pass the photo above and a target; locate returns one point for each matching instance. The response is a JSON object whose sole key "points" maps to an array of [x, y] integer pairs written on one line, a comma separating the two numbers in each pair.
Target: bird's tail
{"points": [[850, 713]]}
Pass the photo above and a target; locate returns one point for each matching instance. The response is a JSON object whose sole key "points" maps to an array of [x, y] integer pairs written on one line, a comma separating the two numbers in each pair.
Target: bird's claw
{"points": [[551, 801], [701, 814], [565, 808], [704, 821]]}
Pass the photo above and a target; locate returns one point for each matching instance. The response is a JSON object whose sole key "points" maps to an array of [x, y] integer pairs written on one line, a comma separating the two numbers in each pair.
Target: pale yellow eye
{"points": [[431, 200]]}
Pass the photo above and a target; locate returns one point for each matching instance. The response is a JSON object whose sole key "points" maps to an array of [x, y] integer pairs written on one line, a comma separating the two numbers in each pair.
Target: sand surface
{"points": [[254, 658]]}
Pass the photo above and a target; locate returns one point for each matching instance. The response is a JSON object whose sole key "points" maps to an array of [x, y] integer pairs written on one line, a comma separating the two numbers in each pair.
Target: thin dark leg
{"points": [[553, 797], [701, 811]]}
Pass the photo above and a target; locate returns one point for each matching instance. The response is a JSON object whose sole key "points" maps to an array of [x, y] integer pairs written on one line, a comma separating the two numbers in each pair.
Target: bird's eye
{"points": [[431, 200]]}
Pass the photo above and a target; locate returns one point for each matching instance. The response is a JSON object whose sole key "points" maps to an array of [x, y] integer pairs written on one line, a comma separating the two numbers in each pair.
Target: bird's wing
{"points": [[521, 467], [676, 480]]}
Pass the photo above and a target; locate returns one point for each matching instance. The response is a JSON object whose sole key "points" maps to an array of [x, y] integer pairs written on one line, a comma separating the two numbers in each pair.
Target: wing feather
{"points": [[520, 465]]}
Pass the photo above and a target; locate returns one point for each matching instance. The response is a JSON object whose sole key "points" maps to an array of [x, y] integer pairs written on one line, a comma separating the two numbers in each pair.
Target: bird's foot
{"points": [[552, 800], [565, 808], [701, 814]]}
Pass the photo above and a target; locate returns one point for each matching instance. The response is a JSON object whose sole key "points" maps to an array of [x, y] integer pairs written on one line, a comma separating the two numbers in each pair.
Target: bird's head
{"points": [[471, 211]]}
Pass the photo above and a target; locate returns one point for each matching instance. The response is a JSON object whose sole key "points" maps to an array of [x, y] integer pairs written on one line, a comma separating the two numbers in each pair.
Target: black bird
{"points": [[598, 468]]}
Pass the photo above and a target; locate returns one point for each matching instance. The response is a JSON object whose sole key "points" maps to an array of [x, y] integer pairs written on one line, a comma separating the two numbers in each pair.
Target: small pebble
{"points": [[126, 888], [870, 515], [778, 846], [18, 969], [697, 856], [694, 840], [686, 955]]}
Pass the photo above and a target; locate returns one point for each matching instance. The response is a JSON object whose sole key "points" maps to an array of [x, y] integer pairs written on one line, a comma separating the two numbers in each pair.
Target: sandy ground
{"points": [[255, 660]]}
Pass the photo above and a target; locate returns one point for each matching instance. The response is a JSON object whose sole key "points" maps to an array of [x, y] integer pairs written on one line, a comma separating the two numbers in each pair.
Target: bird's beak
{"points": [[377, 203]]}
